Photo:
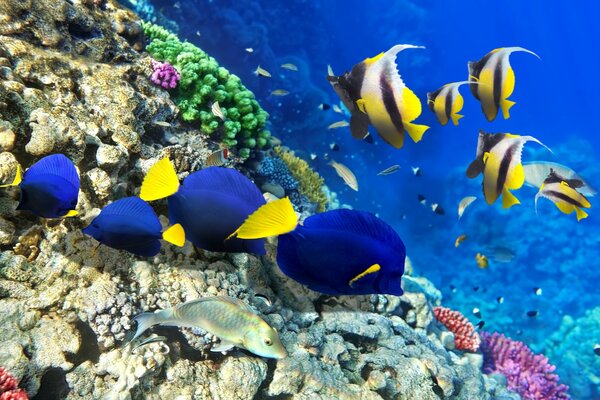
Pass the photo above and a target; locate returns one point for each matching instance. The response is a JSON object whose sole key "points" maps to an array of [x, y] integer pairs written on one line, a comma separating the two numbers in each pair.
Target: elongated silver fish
{"points": [[228, 318], [389, 170], [345, 173]]}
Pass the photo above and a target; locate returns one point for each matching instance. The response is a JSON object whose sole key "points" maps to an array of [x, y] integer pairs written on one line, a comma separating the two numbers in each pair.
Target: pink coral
{"points": [[164, 74], [529, 374], [9, 389], [465, 337]]}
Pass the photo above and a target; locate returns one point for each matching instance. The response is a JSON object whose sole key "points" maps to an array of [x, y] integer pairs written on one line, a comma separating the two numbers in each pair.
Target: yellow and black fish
{"points": [[563, 193], [375, 94], [446, 102], [499, 158], [496, 81]]}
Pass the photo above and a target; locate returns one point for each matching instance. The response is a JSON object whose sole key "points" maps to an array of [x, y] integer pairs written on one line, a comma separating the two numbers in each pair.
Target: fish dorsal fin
{"points": [[355, 221], [225, 180], [389, 67], [175, 235], [134, 208], [161, 181], [56, 165]]}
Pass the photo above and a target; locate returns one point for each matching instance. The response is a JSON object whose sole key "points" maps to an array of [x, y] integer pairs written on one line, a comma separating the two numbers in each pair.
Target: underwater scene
{"points": [[262, 199]]}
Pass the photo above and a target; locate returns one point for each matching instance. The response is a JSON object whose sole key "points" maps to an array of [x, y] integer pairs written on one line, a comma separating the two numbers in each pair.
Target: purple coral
{"points": [[529, 374], [164, 74]]}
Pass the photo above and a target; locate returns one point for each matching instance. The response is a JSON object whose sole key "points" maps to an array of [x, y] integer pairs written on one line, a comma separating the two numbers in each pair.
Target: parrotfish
{"points": [[499, 158], [49, 188], [228, 318], [375, 94], [564, 194], [446, 102], [338, 252], [131, 224], [494, 81], [210, 204]]}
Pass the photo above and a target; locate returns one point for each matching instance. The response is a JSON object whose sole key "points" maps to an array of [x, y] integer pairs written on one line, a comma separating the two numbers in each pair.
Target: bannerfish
{"points": [[339, 124], [494, 81], [338, 252], [375, 94], [49, 188], [480, 325], [500, 300], [289, 66], [217, 158], [436, 208], [460, 239], [345, 173], [477, 312], [564, 194], [259, 71], [482, 261], [313, 156], [389, 170], [537, 291], [228, 318], [416, 171], [464, 203], [209, 205], [446, 102], [498, 156], [280, 92], [217, 112], [537, 171], [131, 224]]}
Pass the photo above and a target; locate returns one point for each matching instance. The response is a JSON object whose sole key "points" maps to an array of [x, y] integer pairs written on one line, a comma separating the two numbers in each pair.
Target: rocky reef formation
{"points": [[74, 79]]}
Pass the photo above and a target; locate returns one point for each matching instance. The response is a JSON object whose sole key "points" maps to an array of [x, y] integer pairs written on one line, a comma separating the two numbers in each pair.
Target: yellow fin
{"points": [[18, 178], [455, 118], [509, 199], [506, 105], [564, 207], [160, 182], [415, 131], [410, 106], [371, 270], [360, 103], [71, 213], [516, 178], [272, 219], [580, 214], [372, 60], [175, 235]]}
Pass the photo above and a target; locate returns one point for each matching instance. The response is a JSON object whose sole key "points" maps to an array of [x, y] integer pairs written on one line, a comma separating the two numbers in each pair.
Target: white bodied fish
{"points": [[464, 203], [345, 173], [537, 171]]}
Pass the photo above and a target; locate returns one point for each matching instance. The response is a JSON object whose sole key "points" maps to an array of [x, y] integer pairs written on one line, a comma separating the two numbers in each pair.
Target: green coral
{"points": [[311, 182], [202, 83]]}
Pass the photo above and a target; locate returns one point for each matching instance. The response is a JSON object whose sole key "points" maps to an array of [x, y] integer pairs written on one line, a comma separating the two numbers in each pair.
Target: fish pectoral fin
{"points": [[455, 118], [175, 235], [516, 178], [361, 105], [222, 346], [415, 131], [71, 213], [271, 219], [359, 126], [367, 272], [18, 178], [508, 199], [564, 207], [506, 105], [161, 181], [580, 214]]}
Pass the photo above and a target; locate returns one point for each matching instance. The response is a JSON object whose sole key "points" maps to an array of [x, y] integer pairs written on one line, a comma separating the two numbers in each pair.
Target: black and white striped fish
{"points": [[375, 94], [563, 193], [446, 102], [496, 81], [499, 158]]}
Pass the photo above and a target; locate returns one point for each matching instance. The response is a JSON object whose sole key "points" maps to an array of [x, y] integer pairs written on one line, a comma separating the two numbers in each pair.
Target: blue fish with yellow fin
{"points": [[209, 205], [49, 188], [131, 224], [339, 252]]}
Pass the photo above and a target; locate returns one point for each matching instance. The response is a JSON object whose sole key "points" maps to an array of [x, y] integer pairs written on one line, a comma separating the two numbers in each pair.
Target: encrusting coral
{"points": [[465, 336], [203, 82]]}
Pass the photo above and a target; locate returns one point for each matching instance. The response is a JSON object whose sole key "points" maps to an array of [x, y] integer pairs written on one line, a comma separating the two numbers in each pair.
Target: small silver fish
{"points": [[339, 124], [249, 50], [345, 173], [389, 170], [416, 171], [228, 318], [162, 123], [216, 110], [262, 72], [280, 92], [464, 203], [289, 66], [313, 156], [198, 33]]}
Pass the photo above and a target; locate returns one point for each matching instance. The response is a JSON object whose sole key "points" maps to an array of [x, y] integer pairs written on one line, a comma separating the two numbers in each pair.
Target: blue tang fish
{"points": [[131, 224], [339, 252], [49, 188], [210, 204]]}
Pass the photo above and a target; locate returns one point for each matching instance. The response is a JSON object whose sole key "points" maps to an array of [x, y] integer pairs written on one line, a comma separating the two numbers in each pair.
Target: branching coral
{"points": [[9, 389], [465, 337], [311, 182], [203, 82], [529, 374]]}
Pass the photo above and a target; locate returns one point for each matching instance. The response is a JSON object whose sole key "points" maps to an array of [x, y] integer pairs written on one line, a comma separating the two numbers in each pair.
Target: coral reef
{"points": [[465, 336], [528, 374], [9, 387], [572, 349], [163, 74], [276, 171], [204, 82]]}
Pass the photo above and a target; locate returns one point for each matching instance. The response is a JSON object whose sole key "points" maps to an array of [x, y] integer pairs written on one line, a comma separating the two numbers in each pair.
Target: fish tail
{"points": [[455, 118], [18, 178], [175, 235], [509, 199], [506, 105], [161, 181], [145, 321], [415, 131], [580, 214], [272, 219]]}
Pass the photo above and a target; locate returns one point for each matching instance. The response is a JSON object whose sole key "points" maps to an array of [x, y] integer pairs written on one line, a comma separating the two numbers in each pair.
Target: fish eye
{"points": [[268, 341]]}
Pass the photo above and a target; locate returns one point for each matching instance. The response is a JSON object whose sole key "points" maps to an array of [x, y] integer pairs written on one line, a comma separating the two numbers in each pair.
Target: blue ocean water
{"points": [[556, 102]]}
